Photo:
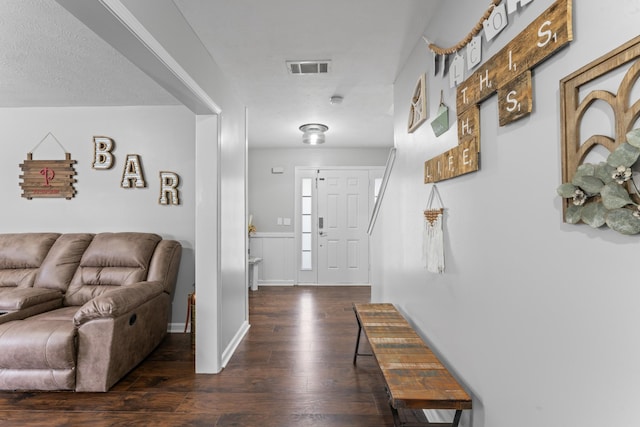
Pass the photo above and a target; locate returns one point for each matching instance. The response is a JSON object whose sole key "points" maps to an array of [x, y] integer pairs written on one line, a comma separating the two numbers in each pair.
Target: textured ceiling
{"points": [[366, 40], [49, 58]]}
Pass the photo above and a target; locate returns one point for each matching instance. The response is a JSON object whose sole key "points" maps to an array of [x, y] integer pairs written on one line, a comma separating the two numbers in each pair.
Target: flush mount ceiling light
{"points": [[313, 133]]}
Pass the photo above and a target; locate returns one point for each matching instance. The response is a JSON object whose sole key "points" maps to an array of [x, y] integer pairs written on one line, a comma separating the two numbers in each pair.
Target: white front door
{"points": [[342, 219]]}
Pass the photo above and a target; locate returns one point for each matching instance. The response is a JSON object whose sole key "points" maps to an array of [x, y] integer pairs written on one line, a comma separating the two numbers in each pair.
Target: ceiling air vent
{"points": [[308, 67]]}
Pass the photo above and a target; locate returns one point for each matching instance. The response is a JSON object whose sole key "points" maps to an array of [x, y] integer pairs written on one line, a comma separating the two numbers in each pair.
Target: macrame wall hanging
{"points": [[433, 239]]}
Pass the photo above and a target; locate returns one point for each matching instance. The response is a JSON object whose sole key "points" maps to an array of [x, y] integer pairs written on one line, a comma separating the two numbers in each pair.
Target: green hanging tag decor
{"points": [[441, 123]]}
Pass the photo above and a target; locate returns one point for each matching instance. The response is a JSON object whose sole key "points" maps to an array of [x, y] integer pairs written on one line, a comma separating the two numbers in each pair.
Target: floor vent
{"points": [[308, 67]]}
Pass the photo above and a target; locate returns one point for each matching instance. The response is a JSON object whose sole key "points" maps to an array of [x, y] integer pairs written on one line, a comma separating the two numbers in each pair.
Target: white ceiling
{"points": [[49, 58]]}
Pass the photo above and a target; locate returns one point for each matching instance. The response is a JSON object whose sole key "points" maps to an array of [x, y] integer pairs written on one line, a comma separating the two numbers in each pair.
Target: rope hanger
{"points": [[43, 139], [462, 43]]}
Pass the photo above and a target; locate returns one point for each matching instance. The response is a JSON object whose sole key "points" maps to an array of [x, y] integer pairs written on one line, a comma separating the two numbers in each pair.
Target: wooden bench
{"points": [[415, 378]]}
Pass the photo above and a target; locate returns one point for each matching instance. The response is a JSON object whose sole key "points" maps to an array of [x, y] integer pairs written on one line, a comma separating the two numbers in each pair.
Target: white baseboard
{"points": [[177, 328], [235, 342], [280, 283]]}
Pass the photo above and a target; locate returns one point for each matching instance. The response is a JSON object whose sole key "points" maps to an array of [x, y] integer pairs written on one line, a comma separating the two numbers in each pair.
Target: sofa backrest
{"points": [[62, 261], [21, 255], [165, 264], [111, 260]]}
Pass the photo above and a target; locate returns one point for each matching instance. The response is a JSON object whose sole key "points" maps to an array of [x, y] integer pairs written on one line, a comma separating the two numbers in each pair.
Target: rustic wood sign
{"points": [[457, 161], [578, 93], [48, 178], [509, 74]]}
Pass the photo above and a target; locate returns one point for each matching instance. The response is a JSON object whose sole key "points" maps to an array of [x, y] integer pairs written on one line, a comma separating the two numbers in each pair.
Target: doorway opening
{"points": [[332, 210]]}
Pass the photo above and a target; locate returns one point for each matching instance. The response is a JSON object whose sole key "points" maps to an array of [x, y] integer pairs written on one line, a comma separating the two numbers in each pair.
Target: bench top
{"points": [[414, 375]]}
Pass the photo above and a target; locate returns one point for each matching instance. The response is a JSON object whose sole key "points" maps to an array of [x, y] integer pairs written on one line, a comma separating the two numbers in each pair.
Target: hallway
{"points": [[294, 368]]}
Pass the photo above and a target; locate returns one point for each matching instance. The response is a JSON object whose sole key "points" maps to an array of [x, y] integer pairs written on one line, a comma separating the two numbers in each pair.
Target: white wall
{"points": [[273, 195], [221, 271], [536, 317], [164, 139], [234, 309]]}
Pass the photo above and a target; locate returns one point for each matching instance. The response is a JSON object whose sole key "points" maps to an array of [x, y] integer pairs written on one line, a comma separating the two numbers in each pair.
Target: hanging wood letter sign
{"points": [[509, 74], [48, 178]]}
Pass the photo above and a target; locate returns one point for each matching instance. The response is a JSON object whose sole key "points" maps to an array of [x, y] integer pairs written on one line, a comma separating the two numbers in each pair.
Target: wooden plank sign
{"points": [[458, 161], [508, 73], [542, 38], [515, 99], [48, 178]]}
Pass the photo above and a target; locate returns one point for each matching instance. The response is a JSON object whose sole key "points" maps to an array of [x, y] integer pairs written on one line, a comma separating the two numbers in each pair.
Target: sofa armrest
{"points": [[21, 298], [117, 302]]}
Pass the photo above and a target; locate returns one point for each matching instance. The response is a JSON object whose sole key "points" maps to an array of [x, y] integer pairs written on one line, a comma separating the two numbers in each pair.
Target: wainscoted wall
{"points": [[277, 252]]}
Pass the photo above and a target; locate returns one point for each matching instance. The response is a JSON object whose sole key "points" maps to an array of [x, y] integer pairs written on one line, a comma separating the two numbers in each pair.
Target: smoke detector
{"points": [[308, 67]]}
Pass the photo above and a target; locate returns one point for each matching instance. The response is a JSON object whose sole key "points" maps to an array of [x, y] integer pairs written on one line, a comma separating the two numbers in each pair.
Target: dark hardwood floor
{"points": [[294, 368]]}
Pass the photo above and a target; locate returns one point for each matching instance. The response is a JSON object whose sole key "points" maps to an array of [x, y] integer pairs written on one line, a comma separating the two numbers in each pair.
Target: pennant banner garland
{"points": [[493, 21], [497, 22], [507, 73]]}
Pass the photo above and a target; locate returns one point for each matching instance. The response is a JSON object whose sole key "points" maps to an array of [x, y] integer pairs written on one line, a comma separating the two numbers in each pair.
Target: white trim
{"points": [[177, 328], [235, 342], [278, 282], [124, 15], [273, 235], [207, 246]]}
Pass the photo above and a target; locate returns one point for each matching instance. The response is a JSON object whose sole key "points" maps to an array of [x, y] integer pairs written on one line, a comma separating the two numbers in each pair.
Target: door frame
{"points": [[310, 277]]}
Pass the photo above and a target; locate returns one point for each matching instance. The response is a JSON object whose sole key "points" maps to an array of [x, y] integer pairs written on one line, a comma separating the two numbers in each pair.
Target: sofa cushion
{"points": [[110, 261], [60, 314], [62, 261], [37, 344], [21, 255]]}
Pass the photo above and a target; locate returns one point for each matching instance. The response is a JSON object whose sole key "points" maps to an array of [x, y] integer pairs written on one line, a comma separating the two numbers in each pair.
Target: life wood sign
{"points": [[509, 74]]}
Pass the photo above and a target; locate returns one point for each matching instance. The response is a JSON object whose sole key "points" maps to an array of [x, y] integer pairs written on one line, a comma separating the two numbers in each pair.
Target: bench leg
{"points": [[355, 353], [456, 418], [398, 422]]}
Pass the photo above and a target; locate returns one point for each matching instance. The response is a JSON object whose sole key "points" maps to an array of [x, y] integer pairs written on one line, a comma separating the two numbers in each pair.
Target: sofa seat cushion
{"points": [[61, 314], [38, 345], [20, 298]]}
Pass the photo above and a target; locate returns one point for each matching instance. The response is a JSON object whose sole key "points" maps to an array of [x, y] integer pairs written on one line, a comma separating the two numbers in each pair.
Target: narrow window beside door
{"points": [[306, 213]]}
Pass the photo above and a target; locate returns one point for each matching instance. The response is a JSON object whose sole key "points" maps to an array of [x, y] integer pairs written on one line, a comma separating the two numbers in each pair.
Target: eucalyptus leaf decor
{"points": [[602, 194]]}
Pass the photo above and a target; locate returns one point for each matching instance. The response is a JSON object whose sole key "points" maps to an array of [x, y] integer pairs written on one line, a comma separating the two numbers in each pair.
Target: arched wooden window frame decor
{"points": [[626, 111]]}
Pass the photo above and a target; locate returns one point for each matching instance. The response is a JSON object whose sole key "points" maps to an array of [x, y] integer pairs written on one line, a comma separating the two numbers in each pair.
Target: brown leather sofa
{"points": [[79, 311]]}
